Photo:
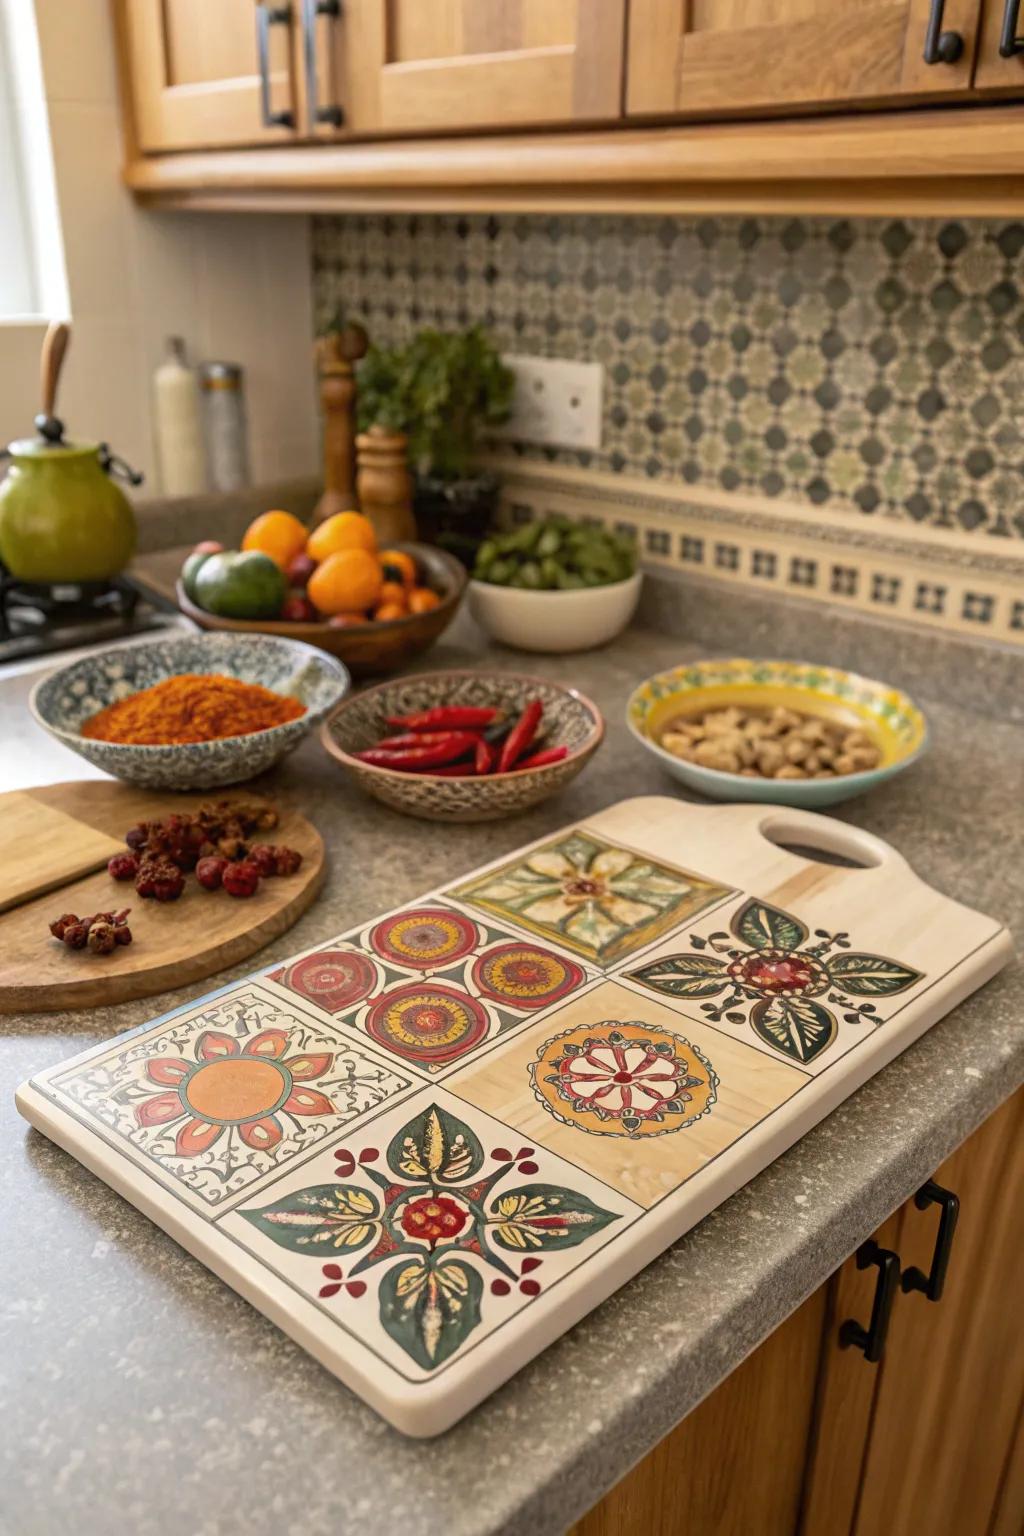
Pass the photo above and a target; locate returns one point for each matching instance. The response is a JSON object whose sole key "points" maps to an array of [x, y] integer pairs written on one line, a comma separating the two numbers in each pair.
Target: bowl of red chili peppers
{"points": [[464, 746]]}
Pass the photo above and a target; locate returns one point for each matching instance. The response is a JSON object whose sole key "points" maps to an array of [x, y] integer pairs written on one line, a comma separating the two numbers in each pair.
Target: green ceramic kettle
{"points": [[62, 516]]}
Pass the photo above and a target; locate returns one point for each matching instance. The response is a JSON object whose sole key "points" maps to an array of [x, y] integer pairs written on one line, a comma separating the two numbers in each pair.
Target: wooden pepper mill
{"points": [[337, 355], [384, 484]]}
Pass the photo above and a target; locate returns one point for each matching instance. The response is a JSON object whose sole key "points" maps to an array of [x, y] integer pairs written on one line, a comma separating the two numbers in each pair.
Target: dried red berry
{"points": [[159, 879], [209, 872], [102, 938], [241, 879], [76, 935], [61, 924], [122, 933], [123, 866], [286, 860], [265, 858]]}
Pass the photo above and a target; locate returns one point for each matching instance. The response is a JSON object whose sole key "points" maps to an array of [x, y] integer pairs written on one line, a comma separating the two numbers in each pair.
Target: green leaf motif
{"points": [[871, 975], [795, 1026], [436, 1148], [429, 1309], [683, 975], [765, 927], [544, 1217], [323, 1216]]}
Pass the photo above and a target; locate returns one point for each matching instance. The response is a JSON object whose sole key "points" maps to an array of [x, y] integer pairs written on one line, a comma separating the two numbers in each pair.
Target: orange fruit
{"points": [[392, 592], [421, 600], [345, 582], [277, 534], [388, 611], [345, 530], [398, 566]]}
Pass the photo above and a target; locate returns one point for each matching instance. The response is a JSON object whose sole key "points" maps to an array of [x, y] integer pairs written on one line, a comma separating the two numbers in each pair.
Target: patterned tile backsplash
{"points": [[872, 367]]}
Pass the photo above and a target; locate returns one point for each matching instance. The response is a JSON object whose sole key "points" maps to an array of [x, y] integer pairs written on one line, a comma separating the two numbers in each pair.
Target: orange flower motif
{"points": [[226, 1088]]}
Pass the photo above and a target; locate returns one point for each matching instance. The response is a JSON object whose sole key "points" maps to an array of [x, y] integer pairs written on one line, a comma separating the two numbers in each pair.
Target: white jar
{"points": [[227, 441], [177, 426]]}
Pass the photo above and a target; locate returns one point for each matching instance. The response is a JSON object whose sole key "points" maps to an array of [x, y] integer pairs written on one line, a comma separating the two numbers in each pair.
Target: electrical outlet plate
{"points": [[557, 402]]}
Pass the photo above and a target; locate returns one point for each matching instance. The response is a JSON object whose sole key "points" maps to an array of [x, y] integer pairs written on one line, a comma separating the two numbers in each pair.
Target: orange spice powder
{"points": [[192, 707]]}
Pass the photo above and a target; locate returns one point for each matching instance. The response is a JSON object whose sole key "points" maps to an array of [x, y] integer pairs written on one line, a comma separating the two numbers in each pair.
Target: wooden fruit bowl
{"points": [[364, 648]]}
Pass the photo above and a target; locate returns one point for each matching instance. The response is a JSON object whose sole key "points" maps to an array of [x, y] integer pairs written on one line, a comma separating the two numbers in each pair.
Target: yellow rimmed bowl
{"points": [[892, 720]]}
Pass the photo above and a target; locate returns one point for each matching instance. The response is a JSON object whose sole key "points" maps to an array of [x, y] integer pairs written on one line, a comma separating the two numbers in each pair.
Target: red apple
{"points": [[299, 569], [297, 609]]}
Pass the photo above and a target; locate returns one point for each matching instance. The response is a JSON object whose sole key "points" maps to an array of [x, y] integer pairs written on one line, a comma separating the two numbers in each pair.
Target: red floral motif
{"points": [[226, 1088], [434, 1219], [780, 973]]}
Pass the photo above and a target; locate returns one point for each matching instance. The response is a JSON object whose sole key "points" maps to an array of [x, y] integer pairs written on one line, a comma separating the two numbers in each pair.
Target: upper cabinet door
{"points": [[1001, 49], [204, 75], [733, 56], [410, 66]]}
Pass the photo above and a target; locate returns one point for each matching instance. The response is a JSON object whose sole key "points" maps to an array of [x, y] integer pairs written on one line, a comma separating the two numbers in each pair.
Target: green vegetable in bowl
{"points": [[555, 555]]}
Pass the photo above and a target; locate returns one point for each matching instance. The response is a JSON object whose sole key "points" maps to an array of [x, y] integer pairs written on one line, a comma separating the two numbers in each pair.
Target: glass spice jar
{"points": [[224, 425]]}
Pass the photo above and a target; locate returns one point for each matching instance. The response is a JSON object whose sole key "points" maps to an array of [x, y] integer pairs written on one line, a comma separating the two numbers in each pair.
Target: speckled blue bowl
{"points": [[62, 701]]}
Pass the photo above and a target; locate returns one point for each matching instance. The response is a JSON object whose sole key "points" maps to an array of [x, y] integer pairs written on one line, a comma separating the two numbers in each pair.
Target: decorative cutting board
{"points": [[182, 941], [429, 1146]]}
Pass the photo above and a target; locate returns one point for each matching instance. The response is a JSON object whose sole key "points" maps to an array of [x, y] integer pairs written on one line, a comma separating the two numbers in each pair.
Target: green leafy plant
{"points": [[444, 390]]}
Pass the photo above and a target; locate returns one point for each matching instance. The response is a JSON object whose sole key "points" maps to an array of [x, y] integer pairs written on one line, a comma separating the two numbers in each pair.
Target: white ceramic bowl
{"points": [[554, 621]]}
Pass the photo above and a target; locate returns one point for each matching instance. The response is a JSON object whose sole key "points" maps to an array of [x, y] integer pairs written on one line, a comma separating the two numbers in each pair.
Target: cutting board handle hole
{"points": [[822, 841]]}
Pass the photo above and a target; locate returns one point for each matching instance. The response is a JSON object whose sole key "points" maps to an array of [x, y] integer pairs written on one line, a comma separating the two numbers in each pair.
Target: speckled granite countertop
{"points": [[139, 1395]]}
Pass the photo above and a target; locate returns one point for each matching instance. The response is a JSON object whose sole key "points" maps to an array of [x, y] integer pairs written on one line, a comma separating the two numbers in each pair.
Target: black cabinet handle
{"points": [[1009, 42], [268, 16], [942, 47], [915, 1279], [311, 10], [872, 1338]]}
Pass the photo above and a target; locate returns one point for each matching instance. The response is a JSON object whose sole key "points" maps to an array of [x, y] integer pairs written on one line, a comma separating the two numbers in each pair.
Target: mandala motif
{"points": [[776, 978], [424, 938], [615, 1079], [427, 1023], [525, 976], [599, 900], [439, 1222], [226, 1087], [334, 979]]}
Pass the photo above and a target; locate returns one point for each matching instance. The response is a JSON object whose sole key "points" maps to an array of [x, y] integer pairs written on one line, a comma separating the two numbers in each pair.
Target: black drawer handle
{"points": [[268, 16], [915, 1279], [942, 47], [328, 113], [1009, 42], [872, 1338]]}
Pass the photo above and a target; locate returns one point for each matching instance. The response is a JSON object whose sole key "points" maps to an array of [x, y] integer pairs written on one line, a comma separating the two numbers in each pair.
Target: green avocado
{"points": [[190, 570], [239, 585]]}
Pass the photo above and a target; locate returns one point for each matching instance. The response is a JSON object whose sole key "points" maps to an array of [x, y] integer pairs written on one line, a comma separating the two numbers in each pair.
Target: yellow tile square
{"points": [[643, 1111]]}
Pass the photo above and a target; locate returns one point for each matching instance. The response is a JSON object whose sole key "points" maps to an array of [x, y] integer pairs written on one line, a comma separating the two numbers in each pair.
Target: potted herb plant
{"points": [[443, 391]]}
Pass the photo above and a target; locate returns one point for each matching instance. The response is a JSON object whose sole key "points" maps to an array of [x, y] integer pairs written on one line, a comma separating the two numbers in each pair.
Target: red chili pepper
{"points": [[520, 736], [416, 739], [420, 759], [542, 759], [446, 717], [484, 758]]}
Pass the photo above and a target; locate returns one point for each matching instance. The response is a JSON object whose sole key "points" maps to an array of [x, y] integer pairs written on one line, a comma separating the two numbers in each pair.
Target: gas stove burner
{"points": [[35, 604], [43, 618]]}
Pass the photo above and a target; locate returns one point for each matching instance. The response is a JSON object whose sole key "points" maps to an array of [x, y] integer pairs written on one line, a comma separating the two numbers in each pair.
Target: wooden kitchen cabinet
{"points": [[806, 1438], [193, 72], [431, 66], [998, 74], [728, 57]]}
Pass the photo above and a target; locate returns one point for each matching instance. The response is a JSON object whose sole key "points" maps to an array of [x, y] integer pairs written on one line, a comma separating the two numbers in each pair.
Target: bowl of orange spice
{"points": [[190, 712]]}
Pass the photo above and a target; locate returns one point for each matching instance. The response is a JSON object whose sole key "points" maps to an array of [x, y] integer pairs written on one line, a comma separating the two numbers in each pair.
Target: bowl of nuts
{"points": [[786, 732]]}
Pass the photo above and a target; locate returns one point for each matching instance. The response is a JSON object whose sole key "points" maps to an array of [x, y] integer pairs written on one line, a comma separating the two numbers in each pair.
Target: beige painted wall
{"points": [[236, 287]]}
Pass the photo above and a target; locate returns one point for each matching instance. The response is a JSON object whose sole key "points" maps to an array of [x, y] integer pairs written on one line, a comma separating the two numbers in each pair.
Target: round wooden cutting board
{"points": [[174, 942]]}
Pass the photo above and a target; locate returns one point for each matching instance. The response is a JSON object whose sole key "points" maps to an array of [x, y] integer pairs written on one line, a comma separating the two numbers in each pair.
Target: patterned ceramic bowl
{"points": [[890, 718], [61, 702], [359, 722]]}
